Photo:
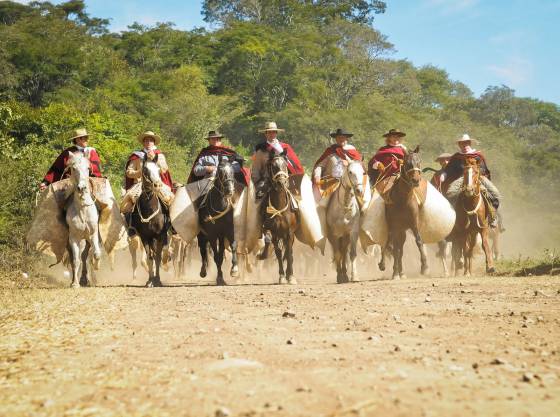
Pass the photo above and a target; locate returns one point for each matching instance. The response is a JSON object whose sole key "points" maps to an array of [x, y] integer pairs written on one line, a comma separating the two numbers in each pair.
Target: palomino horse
{"points": [[215, 216], [150, 220], [82, 219], [343, 220], [280, 218], [403, 213], [471, 220]]}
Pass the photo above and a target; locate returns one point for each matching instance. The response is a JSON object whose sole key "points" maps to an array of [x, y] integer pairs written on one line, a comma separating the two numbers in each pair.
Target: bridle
{"points": [[278, 178], [85, 191], [351, 190], [218, 183], [148, 187]]}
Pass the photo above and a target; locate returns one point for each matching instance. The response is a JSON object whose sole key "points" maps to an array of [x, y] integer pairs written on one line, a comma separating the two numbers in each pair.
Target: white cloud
{"points": [[514, 73]]}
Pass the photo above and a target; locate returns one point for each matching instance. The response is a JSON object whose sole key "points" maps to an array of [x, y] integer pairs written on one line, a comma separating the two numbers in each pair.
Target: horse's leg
{"points": [[132, 247], [470, 243], [353, 253], [75, 259], [234, 271], [422, 249], [280, 259], [487, 251], [495, 236], [267, 240], [344, 244], [84, 275], [398, 245], [158, 257], [96, 244], [290, 259], [218, 250], [150, 260], [442, 254], [203, 247]]}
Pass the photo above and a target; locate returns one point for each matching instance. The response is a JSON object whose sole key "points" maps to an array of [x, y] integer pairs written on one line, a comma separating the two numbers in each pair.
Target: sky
{"points": [[478, 42]]}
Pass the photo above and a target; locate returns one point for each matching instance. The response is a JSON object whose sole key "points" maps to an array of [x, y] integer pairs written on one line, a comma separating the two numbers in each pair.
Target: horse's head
{"points": [[79, 165], [278, 168], [225, 177], [353, 177], [471, 177], [151, 174], [412, 170]]}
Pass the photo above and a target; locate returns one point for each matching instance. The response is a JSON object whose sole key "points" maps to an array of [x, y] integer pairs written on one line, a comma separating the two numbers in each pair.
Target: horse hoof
{"points": [[396, 276], [75, 285], [292, 281], [220, 282], [402, 276], [425, 271], [381, 266], [234, 272], [490, 270], [149, 284], [282, 280], [203, 274], [354, 279]]}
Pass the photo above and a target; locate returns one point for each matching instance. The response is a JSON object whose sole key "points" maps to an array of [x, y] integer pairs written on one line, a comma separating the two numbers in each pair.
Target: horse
{"points": [[82, 218], [151, 221], [403, 213], [471, 220], [280, 219], [343, 220], [215, 216]]}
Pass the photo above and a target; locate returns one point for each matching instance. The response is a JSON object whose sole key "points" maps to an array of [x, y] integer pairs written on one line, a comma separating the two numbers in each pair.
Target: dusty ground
{"points": [[415, 347]]}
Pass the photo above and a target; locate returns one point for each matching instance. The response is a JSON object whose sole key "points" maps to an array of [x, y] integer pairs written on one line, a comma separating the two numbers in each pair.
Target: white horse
{"points": [[82, 219], [343, 220]]}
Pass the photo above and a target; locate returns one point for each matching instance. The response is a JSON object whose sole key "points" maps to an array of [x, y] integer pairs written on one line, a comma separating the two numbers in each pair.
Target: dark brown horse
{"points": [[216, 221], [470, 221], [151, 220], [280, 217], [406, 199]]}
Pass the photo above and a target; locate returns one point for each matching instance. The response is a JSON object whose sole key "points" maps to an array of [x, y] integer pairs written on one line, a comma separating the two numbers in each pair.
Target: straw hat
{"points": [[444, 155], [149, 134], [466, 138], [79, 133], [394, 132], [270, 127], [341, 132], [214, 134]]}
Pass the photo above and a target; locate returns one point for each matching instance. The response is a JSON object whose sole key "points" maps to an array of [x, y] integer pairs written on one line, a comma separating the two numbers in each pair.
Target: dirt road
{"points": [[415, 347]]}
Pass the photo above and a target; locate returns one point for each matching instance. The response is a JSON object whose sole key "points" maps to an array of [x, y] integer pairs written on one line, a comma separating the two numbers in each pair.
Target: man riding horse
{"points": [[263, 150], [329, 168], [443, 160], [133, 173], [58, 170], [453, 172], [385, 165], [209, 157]]}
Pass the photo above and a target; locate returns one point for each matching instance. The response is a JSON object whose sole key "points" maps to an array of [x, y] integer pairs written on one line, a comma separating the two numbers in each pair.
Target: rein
{"points": [[229, 204], [277, 179]]}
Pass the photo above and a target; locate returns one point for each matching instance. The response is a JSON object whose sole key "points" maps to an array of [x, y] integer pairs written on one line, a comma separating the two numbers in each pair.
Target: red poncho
{"points": [[165, 176], [390, 157], [343, 153], [243, 177], [294, 165], [57, 170]]}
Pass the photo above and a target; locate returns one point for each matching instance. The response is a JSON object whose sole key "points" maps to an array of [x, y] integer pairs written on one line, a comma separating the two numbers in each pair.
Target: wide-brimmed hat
{"points": [[149, 134], [444, 155], [466, 138], [394, 132], [341, 132], [79, 133], [214, 134], [270, 127]]}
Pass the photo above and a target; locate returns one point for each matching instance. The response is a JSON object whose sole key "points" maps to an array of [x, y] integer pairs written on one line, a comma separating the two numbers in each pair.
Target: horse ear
{"points": [[417, 149], [70, 155]]}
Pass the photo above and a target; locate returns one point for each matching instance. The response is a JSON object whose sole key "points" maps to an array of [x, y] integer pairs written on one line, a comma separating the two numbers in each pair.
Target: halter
{"points": [[229, 204], [87, 190]]}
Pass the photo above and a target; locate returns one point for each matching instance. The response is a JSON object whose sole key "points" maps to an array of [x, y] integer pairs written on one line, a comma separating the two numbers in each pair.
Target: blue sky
{"points": [[478, 42]]}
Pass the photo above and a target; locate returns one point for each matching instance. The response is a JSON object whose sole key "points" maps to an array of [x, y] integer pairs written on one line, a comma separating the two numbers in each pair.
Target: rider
{"points": [[331, 163], [454, 170], [133, 173], [261, 155], [386, 163], [208, 160], [443, 160], [58, 170]]}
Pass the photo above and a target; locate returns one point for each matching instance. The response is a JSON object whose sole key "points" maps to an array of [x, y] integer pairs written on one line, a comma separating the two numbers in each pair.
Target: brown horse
{"points": [[402, 213], [279, 217], [471, 220]]}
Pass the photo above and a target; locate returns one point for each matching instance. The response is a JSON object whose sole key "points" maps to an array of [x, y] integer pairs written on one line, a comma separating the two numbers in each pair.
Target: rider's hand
{"points": [[42, 186], [317, 181], [378, 165], [151, 155], [345, 162], [210, 169]]}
